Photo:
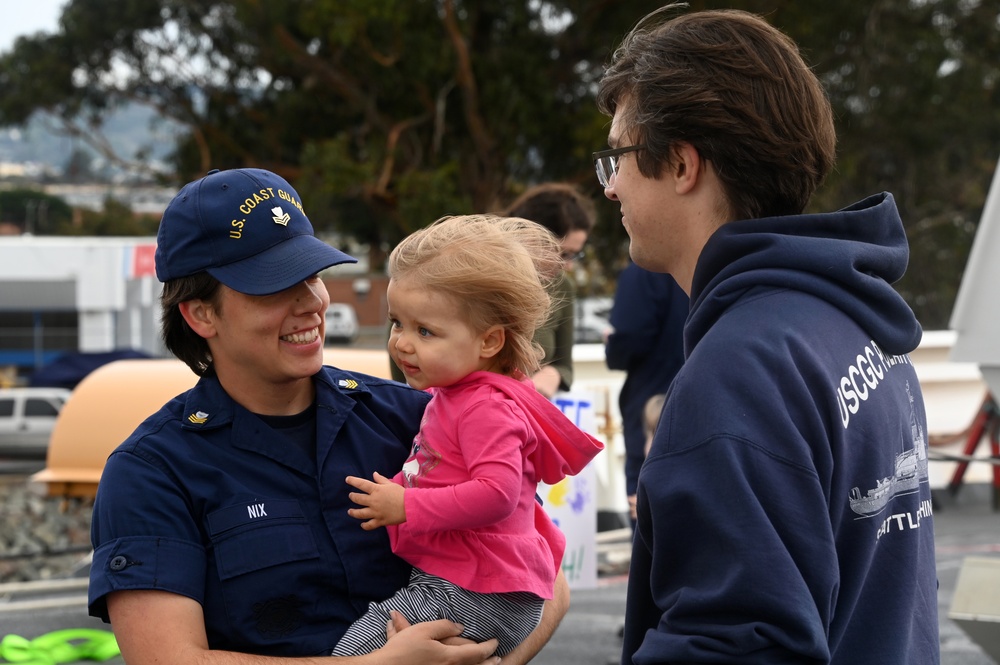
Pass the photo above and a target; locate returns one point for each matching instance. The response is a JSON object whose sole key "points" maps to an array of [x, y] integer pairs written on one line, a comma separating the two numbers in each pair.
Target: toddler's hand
{"points": [[381, 501]]}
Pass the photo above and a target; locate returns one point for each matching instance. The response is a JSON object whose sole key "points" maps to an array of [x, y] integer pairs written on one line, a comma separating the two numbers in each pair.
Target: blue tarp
{"points": [[69, 369]]}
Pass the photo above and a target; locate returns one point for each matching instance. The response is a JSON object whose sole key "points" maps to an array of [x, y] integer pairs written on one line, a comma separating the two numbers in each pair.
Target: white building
{"points": [[61, 294]]}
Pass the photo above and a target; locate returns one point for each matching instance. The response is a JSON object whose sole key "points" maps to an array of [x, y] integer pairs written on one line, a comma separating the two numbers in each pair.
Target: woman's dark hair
{"points": [[558, 206], [177, 335]]}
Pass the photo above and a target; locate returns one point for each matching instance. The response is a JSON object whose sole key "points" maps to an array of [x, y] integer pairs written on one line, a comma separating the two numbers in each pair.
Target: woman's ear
{"points": [[200, 316], [493, 341]]}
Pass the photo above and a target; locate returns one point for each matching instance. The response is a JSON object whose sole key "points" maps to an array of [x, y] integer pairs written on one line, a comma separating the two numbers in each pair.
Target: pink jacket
{"points": [[471, 513]]}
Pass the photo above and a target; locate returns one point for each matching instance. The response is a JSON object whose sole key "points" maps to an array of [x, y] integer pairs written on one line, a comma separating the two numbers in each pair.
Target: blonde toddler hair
{"points": [[496, 269]]}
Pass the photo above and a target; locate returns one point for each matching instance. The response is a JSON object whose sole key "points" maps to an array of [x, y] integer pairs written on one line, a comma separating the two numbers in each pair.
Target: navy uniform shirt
{"points": [[206, 501]]}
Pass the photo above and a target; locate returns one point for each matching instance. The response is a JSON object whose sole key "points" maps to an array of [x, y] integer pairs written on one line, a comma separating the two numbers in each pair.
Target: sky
{"points": [[27, 17]]}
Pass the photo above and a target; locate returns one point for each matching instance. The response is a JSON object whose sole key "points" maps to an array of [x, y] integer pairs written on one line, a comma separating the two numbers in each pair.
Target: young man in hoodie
{"points": [[784, 512]]}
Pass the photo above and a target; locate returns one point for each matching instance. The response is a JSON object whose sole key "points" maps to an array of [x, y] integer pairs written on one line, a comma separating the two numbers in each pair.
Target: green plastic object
{"points": [[60, 646]]}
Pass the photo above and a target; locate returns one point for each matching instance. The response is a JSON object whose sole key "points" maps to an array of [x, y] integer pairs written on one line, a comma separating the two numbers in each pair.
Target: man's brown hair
{"points": [[735, 88]]}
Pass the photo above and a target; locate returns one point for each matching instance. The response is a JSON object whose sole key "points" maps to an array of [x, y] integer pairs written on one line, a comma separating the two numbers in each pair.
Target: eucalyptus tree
{"points": [[386, 114]]}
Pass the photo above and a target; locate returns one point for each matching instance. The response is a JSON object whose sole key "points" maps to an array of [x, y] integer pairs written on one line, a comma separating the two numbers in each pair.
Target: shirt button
{"points": [[118, 563]]}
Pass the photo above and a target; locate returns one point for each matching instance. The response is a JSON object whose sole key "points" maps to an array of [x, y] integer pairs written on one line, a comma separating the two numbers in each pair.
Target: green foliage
{"points": [[388, 114], [914, 85], [34, 212], [114, 219], [42, 214]]}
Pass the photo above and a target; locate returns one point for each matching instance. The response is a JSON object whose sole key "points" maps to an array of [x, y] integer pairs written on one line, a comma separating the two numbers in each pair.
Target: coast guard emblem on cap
{"points": [[198, 418], [280, 216], [348, 383]]}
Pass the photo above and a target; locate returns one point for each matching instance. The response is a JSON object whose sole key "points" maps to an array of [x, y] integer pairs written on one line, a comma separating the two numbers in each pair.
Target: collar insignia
{"points": [[280, 216], [198, 418], [350, 384]]}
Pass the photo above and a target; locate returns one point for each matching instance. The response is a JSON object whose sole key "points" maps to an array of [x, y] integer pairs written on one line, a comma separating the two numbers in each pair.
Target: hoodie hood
{"points": [[848, 258], [564, 449]]}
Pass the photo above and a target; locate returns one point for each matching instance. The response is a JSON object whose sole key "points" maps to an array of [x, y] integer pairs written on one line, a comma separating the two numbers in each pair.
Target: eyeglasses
{"points": [[606, 163], [573, 256]]}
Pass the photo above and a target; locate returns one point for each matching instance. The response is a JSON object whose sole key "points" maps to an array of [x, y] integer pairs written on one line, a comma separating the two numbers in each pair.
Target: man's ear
{"points": [[493, 341], [687, 167], [200, 316]]}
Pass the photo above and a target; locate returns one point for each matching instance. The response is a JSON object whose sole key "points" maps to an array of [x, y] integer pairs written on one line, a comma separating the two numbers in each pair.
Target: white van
{"points": [[341, 323], [27, 417]]}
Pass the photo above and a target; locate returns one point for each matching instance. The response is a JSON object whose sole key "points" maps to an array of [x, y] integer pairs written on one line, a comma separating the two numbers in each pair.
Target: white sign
{"points": [[572, 503]]}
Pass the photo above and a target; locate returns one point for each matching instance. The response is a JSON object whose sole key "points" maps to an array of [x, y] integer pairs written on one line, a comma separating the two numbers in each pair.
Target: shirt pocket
{"points": [[266, 562], [256, 535]]}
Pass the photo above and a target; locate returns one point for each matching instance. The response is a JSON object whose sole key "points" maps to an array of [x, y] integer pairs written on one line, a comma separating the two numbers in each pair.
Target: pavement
{"points": [[965, 526]]}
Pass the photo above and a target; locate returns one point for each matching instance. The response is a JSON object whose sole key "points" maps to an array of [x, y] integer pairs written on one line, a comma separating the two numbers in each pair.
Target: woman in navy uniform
{"points": [[220, 526]]}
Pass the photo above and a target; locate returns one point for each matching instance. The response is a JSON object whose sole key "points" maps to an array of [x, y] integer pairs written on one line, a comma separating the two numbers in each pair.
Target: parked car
{"points": [[592, 320], [341, 323], [27, 417]]}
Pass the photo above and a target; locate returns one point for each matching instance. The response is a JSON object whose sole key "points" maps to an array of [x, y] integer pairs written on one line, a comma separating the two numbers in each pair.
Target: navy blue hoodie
{"points": [[784, 512]]}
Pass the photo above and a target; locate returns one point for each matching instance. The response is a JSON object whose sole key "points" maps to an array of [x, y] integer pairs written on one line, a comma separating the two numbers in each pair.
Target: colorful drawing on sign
{"points": [[572, 503], [570, 493]]}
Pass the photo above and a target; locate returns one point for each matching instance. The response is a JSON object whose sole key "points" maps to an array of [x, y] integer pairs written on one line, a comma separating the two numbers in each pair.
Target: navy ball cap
{"points": [[246, 228]]}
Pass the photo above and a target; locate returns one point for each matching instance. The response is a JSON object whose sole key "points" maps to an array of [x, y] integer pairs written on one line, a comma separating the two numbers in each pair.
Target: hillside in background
{"points": [[134, 132]]}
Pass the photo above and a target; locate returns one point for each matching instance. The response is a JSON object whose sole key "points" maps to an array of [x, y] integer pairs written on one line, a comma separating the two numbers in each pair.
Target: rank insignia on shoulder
{"points": [[198, 418], [350, 384]]}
